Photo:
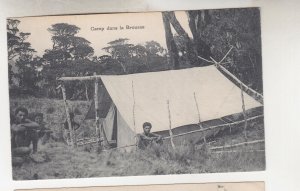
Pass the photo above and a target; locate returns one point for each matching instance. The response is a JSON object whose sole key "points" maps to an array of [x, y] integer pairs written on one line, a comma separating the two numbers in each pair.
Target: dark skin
{"points": [[148, 139], [147, 130], [23, 123], [20, 141], [39, 120]]}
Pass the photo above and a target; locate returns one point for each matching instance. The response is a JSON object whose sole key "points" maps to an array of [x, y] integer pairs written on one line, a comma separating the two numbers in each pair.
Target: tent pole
{"points": [[200, 124], [170, 126], [72, 134], [133, 112], [244, 112], [96, 98]]}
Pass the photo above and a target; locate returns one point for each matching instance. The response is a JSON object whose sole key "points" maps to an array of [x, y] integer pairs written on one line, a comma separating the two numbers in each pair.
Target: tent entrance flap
{"points": [[104, 103]]}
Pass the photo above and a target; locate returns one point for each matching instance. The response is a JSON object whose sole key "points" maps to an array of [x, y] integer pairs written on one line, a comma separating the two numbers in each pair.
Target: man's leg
{"points": [[34, 138], [19, 154], [21, 151], [17, 161]]}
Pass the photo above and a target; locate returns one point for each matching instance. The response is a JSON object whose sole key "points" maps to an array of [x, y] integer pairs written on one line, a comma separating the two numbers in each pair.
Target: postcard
{"points": [[126, 94]]}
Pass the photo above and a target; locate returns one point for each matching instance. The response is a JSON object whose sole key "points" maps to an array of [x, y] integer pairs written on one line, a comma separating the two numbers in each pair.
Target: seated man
{"points": [[148, 139], [44, 133], [74, 126], [22, 133]]}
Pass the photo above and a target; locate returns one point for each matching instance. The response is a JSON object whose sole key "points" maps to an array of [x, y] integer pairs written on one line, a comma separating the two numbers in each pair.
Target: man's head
{"points": [[147, 127], [21, 114], [38, 118]]}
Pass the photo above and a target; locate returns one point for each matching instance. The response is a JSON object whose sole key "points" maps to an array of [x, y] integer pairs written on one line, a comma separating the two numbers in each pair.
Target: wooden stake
{"points": [[133, 114], [86, 92], [200, 124], [244, 113], [73, 143], [170, 126], [96, 98]]}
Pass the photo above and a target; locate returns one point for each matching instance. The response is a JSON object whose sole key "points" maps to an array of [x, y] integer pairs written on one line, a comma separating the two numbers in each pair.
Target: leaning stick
{"points": [[226, 54], [80, 78], [206, 60], [238, 144], [237, 151], [219, 65], [244, 113], [247, 88], [199, 118], [73, 142], [170, 126]]}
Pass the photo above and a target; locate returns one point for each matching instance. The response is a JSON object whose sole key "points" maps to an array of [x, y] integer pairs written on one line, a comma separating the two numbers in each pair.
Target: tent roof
{"points": [[215, 94]]}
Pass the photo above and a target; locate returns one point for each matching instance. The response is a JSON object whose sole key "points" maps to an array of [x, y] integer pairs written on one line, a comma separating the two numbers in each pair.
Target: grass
{"points": [[84, 162]]}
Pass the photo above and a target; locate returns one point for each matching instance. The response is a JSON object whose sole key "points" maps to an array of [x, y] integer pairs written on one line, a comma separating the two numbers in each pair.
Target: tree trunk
{"points": [[172, 49], [191, 56], [198, 20]]}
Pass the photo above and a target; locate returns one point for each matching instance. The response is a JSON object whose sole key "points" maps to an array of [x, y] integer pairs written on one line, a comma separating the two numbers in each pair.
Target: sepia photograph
{"points": [[232, 186], [131, 94]]}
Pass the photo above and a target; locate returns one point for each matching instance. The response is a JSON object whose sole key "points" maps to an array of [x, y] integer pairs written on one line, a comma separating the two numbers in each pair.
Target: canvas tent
{"points": [[180, 98]]}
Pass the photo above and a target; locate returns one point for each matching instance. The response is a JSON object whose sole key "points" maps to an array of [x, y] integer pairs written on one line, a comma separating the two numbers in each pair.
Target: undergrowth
{"points": [[63, 161]]}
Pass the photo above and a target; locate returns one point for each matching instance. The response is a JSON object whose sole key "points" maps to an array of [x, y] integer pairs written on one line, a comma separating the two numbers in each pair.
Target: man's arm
{"points": [[17, 127], [156, 136], [28, 124], [144, 137]]}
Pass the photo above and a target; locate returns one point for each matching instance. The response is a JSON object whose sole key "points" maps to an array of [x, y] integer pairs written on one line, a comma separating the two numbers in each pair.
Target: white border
{"points": [[281, 70]]}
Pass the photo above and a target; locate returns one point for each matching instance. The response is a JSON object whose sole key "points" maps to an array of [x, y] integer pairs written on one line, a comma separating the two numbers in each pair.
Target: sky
{"points": [[40, 37]]}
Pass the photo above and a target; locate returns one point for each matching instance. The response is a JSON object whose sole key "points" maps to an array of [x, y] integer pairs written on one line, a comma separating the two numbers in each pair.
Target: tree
{"points": [[121, 51], [240, 29], [214, 32], [16, 41], [198, 21], [22, 63], [172, 49], [154, 48], [66, 45], [27, 75]]}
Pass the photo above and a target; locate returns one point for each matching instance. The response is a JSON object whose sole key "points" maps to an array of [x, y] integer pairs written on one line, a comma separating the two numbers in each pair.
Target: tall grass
{"points": [[66, 162], [62, 161]]}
